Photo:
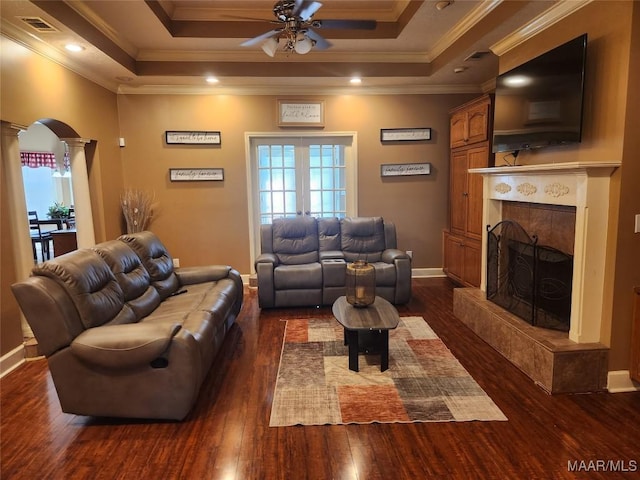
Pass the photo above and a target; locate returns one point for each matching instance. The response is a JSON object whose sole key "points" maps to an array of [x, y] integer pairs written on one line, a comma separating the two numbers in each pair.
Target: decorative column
{"points": [[82, 200], [19, 231]]}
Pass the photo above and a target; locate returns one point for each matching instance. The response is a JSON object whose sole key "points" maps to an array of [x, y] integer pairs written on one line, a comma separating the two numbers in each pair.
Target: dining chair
{"points": [[38, 237], [71, 221]]}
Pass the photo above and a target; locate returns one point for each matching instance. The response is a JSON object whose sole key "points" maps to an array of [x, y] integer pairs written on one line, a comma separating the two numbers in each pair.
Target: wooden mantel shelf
{"points": [[545, 168]]}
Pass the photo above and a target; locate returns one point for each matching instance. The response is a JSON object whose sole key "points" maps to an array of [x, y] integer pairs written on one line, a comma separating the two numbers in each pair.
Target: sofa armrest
{"points": [[390, 255], [267, 258], [402, 262], [203, 274], [124, 346], [266, 282]]}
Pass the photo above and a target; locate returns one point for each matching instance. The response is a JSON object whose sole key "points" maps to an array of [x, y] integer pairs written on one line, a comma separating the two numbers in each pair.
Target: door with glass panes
{"points": [[302, 176]]}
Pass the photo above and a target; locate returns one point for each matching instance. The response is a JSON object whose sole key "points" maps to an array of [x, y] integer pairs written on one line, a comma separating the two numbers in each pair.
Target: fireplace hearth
{"points": [[529, 280], [559, 362]]}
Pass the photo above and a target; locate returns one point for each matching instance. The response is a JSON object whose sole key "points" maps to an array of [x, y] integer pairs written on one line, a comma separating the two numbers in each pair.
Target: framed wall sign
{"points": [[196, 174], [405, 169], [183, 137], [300, 113], [405, 134]]}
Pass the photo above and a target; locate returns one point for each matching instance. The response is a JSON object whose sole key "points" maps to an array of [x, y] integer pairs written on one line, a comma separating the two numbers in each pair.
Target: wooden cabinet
{"points": [[465, 194], [470, 123], [469, 149], [463, 257]]}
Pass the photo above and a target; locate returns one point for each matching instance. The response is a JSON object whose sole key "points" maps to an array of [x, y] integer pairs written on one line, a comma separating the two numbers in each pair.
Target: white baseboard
{"points": [[11, 360], [427, 273], [619, 381]]}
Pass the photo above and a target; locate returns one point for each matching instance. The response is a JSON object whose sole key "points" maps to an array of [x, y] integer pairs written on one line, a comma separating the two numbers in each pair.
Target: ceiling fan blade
{"points": [[261, 38], [307, 10], [252, 19], [347, 24], [320, 43]]}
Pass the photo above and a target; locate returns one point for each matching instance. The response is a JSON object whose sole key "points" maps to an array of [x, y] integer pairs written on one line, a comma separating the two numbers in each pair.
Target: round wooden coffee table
{"points": [[378, 318]]}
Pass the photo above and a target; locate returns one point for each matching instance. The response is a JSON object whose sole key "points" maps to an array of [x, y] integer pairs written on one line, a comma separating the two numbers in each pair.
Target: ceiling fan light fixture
{"points": [[303, 44], [270, 46]]}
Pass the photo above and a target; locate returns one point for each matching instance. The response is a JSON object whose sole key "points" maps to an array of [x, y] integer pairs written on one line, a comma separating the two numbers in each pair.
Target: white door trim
{"points": [[352, 175]]}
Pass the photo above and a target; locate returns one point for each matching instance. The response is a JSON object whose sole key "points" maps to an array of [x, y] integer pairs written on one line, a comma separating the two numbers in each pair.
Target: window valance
{"points": [[42, 159]]}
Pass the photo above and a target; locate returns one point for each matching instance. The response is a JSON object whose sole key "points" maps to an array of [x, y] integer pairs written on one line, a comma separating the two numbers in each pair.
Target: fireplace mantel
{"points": [[554, 168], [554, 184], [584, 185]]}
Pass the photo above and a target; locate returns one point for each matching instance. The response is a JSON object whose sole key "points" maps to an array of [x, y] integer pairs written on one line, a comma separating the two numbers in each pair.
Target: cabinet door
{"points": [[478, 123], [472, 262], [458, 191], [476, 158], [458, 129], [453, 257]]}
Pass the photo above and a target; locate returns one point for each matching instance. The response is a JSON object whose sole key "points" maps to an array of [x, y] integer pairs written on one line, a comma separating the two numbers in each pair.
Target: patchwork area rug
{"points": [[424, 382]]}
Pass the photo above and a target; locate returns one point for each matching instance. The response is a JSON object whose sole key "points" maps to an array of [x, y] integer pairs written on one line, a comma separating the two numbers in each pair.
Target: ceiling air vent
{"points": [[477, 55], [39, 24]]}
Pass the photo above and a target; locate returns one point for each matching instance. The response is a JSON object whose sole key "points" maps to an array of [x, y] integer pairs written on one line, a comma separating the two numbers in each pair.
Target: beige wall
{"points": [[35, 88], [207, 222], [610, 112]]}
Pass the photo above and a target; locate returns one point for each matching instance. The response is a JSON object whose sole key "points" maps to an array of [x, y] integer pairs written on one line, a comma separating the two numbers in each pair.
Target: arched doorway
{"points": [[18, 219]]}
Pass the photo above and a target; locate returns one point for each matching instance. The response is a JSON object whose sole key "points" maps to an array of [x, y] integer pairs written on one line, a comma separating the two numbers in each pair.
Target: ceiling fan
{"points": [[296, 29]]}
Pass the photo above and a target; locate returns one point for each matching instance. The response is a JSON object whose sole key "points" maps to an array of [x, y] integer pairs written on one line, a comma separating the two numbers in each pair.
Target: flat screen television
{"points": [[539, 103]]}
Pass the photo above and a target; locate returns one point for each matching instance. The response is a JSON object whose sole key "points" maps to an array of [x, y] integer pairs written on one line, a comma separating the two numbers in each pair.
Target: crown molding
{"points": [[462, 27], [489, 86], [297, 90], [204, 12], [553, 15], [84, 10], [34, 44], [259, 56]]}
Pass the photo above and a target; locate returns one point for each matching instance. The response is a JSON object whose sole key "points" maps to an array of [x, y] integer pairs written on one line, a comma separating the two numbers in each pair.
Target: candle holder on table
{"points": [[360, 284]]}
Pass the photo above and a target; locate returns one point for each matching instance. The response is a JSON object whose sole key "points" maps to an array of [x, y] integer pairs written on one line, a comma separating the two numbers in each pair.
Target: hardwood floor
{"points": [[227, 435]]}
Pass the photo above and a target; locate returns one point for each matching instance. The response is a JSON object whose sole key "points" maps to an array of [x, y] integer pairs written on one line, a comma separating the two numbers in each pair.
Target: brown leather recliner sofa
{"points": [[303, 260], [126, 335]]}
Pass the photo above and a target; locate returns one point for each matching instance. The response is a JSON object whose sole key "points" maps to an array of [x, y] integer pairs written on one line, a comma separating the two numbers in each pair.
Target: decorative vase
{"points": [[361, 284]]}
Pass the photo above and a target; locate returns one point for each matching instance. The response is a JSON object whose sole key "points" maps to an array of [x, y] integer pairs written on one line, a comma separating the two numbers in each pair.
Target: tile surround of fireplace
{"points": [[557, 362]]}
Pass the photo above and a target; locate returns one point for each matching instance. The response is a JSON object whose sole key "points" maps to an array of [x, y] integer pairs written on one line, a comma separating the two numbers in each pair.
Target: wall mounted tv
{"points": [[539, 103]]}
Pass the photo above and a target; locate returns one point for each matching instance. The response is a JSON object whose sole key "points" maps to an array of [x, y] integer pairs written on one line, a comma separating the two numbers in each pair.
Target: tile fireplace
{"points": [[576, 197]]}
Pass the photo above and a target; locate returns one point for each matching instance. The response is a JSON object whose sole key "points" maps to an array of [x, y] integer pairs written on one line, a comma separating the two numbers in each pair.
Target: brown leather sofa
{"points": [[303, 260], [126, 335]]}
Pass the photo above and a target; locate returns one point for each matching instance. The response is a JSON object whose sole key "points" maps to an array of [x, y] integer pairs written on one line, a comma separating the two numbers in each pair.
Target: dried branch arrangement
{"points": [[137, 208]]}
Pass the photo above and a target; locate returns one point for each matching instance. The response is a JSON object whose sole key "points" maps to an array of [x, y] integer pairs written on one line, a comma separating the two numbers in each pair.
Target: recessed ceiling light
{"points": [[356, 81], [443, 4], [212, 80], [459, 69], [74, 47]]}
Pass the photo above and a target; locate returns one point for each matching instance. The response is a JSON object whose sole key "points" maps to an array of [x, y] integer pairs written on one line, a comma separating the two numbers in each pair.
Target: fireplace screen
{"points": [[529, 280]]}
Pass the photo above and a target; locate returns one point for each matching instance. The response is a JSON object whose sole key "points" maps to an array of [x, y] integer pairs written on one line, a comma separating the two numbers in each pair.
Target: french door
{"points": [[310, 175]]}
